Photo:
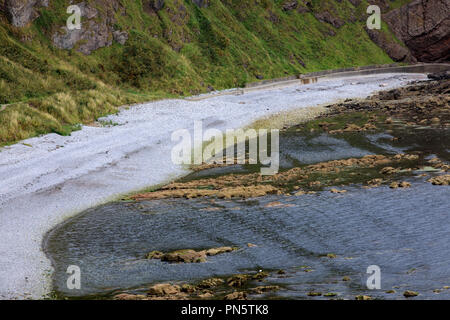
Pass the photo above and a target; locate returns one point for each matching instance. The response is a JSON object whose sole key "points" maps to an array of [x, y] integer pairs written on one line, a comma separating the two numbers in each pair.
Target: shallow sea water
{"points": [[404, 232]]}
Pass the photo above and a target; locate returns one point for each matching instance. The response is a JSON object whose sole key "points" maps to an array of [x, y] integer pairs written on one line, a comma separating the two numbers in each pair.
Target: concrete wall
{"points": [[314, 77]]}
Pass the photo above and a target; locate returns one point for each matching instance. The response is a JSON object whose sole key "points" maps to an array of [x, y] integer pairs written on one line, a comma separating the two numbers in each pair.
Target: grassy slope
{"points": [[168, 54]]}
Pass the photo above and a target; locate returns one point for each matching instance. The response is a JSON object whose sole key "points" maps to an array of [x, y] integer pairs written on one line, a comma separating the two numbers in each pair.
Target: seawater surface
{"points": [[404, 232]]}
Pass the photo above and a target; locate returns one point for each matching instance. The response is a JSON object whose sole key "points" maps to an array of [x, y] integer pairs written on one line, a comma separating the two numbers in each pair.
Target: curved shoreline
{"points": [[59, 177]]}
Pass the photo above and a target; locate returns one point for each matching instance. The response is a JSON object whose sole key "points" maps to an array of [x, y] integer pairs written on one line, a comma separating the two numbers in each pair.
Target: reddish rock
{"points": [[424, 26]]}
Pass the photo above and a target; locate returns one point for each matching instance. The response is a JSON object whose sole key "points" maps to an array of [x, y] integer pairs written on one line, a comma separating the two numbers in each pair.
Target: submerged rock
{"points": [[440, 180], [236, 296], [238, 280], [314, 294], [410, 294], [188, 255]]}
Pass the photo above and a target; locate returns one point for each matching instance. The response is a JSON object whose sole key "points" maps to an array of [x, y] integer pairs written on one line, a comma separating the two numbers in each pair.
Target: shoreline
{"points": [[59, 177]]}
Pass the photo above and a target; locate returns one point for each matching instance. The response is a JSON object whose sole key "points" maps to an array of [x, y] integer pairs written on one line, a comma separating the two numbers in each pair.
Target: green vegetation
{"points": [[177, 51]]}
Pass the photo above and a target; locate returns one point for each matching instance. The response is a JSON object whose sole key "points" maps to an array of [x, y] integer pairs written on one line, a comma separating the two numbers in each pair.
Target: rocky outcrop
{"points": [[188, 256], [21, 12], [440, 180], [395, 50], [424, 26], [97, 29]]}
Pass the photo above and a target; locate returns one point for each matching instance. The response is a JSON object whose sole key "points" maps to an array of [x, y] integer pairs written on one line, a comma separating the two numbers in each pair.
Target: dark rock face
{"points": [[424, 26], [397, 52], [21, 12], [96, 32]]}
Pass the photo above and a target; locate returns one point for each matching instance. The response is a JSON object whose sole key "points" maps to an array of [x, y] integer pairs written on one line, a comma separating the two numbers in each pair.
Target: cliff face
{"points": [[97, 30], [424, 26]]}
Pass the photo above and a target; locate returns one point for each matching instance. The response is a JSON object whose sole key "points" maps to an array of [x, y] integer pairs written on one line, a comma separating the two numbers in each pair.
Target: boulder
{"points": [[264, 289], [129, 297], [185, 256]]}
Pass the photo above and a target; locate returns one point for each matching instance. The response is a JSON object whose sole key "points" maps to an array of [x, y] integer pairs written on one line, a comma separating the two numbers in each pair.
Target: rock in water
{"points": [[410, 294]]}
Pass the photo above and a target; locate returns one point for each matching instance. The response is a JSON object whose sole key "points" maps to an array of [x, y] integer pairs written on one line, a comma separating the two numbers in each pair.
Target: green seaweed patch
{"points": [[339, 122]]}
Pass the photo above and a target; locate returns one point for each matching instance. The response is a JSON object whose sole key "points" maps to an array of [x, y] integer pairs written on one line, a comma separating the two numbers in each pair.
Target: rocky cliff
{"points": [[424, 26], [21, 12]]}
